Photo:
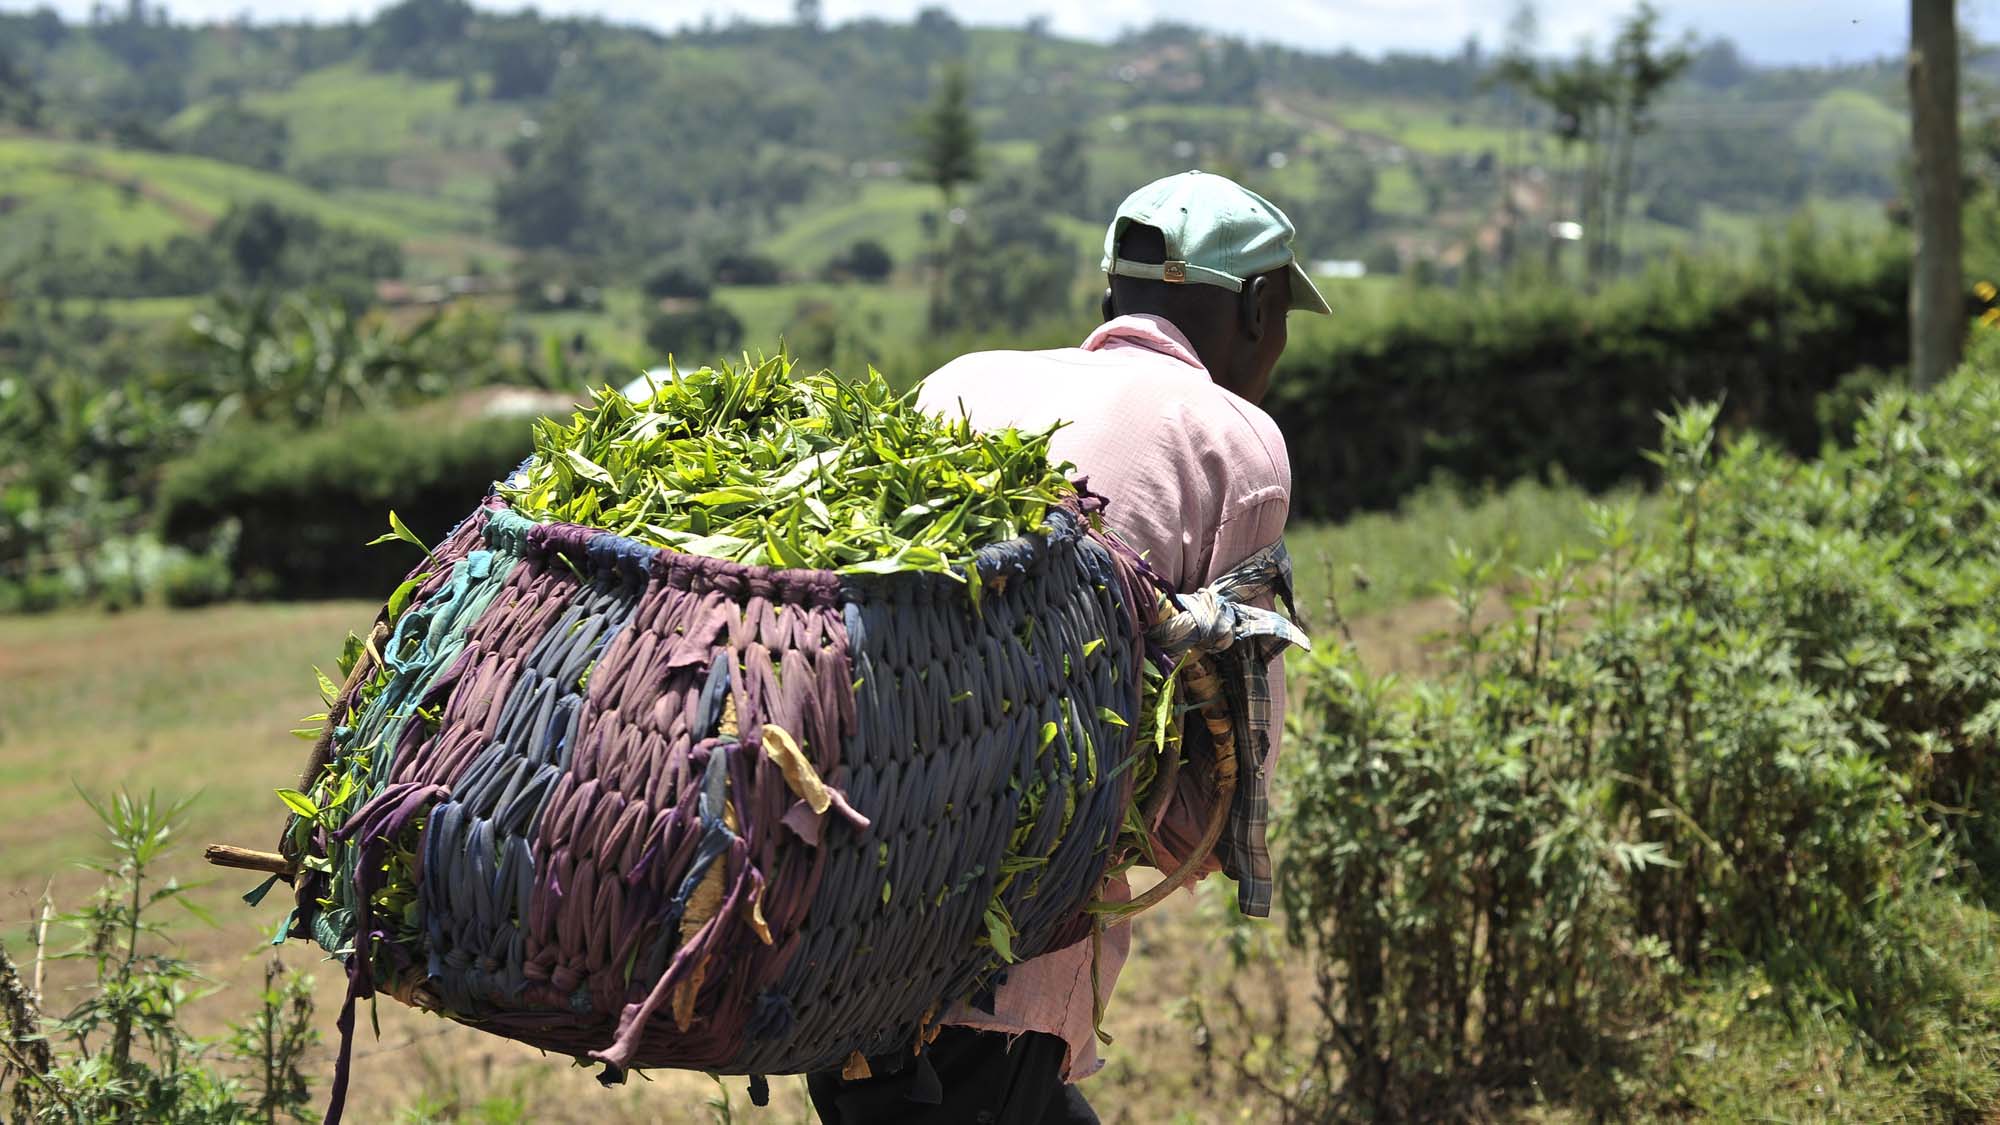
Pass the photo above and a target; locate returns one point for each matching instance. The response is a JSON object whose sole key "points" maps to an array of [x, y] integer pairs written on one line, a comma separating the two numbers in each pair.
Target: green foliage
{"points": [[196, 580], [124, 1053], [864, 260], [946, 137], [306, 502], [304, 361], [1751, 734], [698, 333], [675, 279], [543, 202], [761, 466], [1498, 386], [258, 244], [240, 136]]}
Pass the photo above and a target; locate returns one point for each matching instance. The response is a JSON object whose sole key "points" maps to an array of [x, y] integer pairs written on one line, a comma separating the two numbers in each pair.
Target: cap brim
{"points": [[1305, 295]]}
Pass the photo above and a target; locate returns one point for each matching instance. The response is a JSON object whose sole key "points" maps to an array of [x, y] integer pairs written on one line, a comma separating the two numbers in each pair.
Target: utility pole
{"points": [[1937, 281]]}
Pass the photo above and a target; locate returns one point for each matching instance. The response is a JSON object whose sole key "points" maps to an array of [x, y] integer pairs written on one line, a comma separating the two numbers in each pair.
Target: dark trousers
{"points": [[980, 1080]]}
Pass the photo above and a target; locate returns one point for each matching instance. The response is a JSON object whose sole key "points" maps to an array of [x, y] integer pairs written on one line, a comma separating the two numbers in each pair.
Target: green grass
{"points": [[348, 109], [883, 317], [72, 214], [1381, 560], [1398, 195], [77, 188], [1425, 127], [884, 210], [137, 310], [1738, 1057]]}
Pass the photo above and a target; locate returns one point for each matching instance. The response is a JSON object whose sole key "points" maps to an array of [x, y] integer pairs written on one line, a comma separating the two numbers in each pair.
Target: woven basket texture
{"points": [[582, 757]]}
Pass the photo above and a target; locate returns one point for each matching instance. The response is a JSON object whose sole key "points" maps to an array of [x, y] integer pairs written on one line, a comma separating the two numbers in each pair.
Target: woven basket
{"points": [[595, 762]]}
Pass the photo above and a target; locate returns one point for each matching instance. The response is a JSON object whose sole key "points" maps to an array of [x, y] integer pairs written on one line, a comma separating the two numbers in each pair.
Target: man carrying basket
{"points": [[1162, 419]]}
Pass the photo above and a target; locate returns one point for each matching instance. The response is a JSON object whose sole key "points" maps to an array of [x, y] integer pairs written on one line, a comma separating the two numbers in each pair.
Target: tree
{"points": [[1937, 283], [543, 202], [236, 135], [1008, 267], [1642, 71], [677, 280], [525, 57], [746, 267], [947, 154], [699, 334], [1515, 74], [1062, 183], [806, 13], [866, 260], [255, 237], [19, 100], [1344, 206]]}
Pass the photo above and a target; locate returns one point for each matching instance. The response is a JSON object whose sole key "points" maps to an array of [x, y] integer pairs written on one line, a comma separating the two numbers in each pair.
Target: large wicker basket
{"points": [[659, 810]]}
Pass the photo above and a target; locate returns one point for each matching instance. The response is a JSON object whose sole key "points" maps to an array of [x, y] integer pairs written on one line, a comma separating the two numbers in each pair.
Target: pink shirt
{"points": [[1197, 480]]}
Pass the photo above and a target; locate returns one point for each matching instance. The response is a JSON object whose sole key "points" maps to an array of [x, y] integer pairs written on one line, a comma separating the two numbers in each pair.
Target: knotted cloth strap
{"points": [[1242, 640]]}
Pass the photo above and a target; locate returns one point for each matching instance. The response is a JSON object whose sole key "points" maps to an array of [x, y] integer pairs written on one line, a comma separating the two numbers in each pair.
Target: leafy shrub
{"points": [[1746, 736], [700, 333], [674, 279], [307, 502], [865, 260], [1500, 385], [195, 580], [123, 1053], [746, 268], [35, 593]]}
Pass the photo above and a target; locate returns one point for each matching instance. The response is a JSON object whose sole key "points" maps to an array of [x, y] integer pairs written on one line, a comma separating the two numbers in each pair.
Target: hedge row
{"points": [[1502, 385], [305, 503]]}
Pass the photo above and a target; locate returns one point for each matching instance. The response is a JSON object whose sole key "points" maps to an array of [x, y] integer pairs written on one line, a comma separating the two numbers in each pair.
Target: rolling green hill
{"points": [[73, 197], [467, 136]]}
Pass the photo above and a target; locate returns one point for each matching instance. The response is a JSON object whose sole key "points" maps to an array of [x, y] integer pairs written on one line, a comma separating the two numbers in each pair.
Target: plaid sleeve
{"points": [[1245, 640]]}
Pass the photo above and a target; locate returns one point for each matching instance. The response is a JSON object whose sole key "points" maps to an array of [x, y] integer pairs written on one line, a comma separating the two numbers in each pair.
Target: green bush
{"points": [[195, 580], [1749, 734], [305, 503], [1501, 384], [696, 335]]}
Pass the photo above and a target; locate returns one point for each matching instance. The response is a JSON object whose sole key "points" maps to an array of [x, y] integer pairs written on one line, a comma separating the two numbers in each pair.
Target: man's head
{"points": [[1214, 259]]}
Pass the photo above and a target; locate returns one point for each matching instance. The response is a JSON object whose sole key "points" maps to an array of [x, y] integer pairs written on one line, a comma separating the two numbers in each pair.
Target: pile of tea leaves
{"points": [[765, 466]]}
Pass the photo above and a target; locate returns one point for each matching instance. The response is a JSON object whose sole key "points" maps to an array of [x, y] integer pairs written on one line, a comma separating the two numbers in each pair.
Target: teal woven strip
{"points": [[439, 626]]}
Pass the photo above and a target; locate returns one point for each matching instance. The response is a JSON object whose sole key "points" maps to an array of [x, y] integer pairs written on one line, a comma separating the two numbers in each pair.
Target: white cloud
{"points": [[1794, 31]]}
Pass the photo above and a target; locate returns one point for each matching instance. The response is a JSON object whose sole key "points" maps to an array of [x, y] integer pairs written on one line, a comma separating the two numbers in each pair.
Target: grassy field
{"points": [[87, 197]]}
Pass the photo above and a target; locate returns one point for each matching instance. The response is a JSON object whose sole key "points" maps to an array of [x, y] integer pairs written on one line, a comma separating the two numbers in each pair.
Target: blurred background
{"points": [[266, 275]]}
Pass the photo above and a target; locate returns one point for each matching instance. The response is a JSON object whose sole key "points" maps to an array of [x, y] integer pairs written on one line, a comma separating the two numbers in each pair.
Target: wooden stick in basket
{"points": [[1207, 690], [243, 859]]}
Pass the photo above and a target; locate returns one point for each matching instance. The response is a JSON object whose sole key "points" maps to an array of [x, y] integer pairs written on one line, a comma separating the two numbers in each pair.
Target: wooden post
{"points": [[1937, 280]]}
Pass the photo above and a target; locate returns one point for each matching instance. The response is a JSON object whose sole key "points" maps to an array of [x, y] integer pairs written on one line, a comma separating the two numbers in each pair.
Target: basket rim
{"points": [[596, 552]]}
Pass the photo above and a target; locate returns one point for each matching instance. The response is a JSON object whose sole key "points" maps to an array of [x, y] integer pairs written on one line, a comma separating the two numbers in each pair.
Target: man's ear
{"points": [[1252, 311], [1105, 307]]}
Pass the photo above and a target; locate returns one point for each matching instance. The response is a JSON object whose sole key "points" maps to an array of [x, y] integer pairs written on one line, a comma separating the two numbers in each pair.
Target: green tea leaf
{"points": [[1000, 932]]}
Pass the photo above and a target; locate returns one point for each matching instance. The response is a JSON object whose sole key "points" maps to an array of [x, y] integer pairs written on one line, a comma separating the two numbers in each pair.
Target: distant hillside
{"points": [[791, 139]]}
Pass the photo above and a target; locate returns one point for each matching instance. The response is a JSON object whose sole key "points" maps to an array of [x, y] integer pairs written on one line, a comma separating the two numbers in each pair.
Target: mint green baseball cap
{"points": [[1218, 233]]}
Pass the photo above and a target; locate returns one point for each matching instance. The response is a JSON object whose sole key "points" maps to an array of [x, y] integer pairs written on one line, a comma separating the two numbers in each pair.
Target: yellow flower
{"points": [[1985, 291], [1990, 318]]}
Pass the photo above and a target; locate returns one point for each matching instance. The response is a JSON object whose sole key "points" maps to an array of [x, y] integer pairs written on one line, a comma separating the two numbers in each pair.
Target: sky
{"points": [[1772, 31]]}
